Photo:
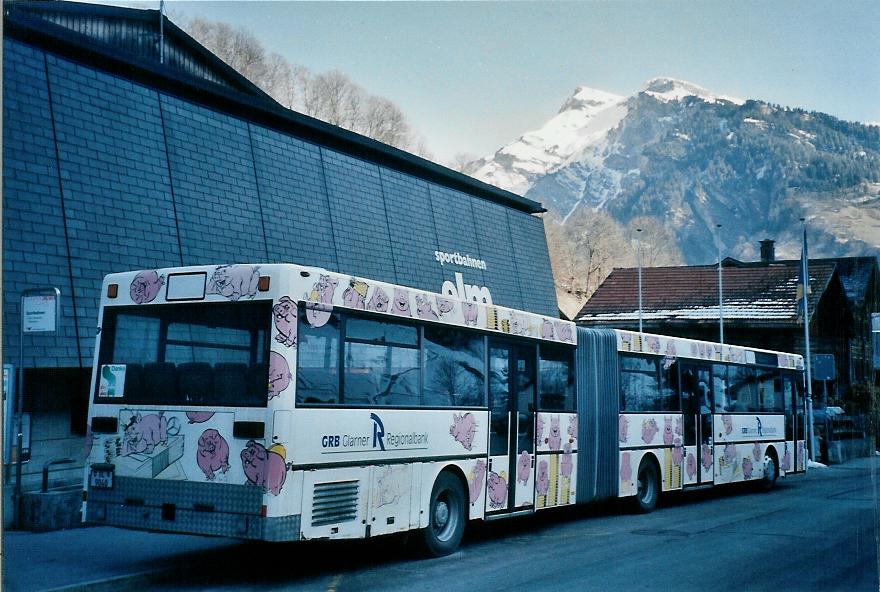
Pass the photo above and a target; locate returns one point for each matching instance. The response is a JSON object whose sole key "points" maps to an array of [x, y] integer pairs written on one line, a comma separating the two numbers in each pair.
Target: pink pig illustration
{"points": [[497, 490], [355, 295], [691, 465], [523, 467], [475, 483], [199, 416], [677, 451], [555, 437], [423, 308], [470, 313], [284, 314], [747, 467], [622, 428], [786, 459], [144, 433], [728, 424], [213, 453], [565, 465], [319, 304], [279, 374], [667, 430], [729, 455], [649, 430], [563, 331], [678, 426], [547, 329], [445, 305], [653, 344], [626, 471], [539, 429], [756, 452], [463, 428], [265, 468], [379, 301], [234, 281], [572, 428], [543, 478], [145, 286], [400, 303], [707, 457]]}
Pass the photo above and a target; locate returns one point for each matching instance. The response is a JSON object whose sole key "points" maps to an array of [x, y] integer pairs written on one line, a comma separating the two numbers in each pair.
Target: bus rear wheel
{"points": [[647, 487], [771, 472], [447, 514]]}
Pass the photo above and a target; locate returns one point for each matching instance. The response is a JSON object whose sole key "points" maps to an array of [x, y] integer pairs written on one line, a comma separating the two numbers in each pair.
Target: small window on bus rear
{"points": [[317, 372], [556, 369], [206, 353]]}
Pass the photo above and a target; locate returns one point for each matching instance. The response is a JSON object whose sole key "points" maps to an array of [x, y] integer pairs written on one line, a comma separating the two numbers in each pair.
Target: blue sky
{"points": [[472, 76]]}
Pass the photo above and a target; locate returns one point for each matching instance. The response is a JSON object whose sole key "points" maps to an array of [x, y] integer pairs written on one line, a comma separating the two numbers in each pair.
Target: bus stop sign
{"points": [[823, 367]]}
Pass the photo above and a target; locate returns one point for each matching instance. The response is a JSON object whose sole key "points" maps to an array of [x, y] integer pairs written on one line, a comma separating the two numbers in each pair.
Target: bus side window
{"points": [[317, 373]]}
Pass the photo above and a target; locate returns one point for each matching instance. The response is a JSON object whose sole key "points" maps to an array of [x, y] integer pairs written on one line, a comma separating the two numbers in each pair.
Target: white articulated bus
{"points": [[280, 402]]}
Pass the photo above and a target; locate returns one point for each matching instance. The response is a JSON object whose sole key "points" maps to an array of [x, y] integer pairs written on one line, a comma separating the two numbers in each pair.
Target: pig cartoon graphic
{"points": [[470, 313], [445, 305], [212, 454], [319, 305], [423, 308], [626, 471], [707, 457], [144, 433], [563, 332], [539, 429], [667, 430], [475, 480], [649, 430], [572, 428], [554, 439], [747, 467], [497, 490], [678, 426], [284, 314], [145, 286], [234, 281], [756, 452], [622, 428], [729, 455], [691, 465], [463, 428], [379, 301], [786, 459], [199, 416], [676, 451], [547, 329], [653, 344], [263, 467], [543, 478], [670, 349], [355, 295], [400, 304], [728, 424], [565, 465], [279, 374], [523, 467]]}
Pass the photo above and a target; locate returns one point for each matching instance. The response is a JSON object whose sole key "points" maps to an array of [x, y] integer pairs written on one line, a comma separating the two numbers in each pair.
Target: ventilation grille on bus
{"points": [[334, 502]]}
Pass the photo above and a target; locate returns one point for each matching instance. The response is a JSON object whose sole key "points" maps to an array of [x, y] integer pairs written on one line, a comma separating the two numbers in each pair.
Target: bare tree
{"points": [[463, 162], [659, 246]]}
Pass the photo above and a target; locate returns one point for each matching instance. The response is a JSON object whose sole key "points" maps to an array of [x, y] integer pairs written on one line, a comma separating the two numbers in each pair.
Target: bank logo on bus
{"points": [[376, 439]]}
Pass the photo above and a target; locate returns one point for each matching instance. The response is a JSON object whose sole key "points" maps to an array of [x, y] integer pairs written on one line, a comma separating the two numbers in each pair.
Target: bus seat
{"points": [[195, 381], [230, 382]]}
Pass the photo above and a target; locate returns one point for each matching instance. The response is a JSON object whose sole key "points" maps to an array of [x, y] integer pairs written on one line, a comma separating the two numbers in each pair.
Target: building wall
{"points": [[104, 175]]}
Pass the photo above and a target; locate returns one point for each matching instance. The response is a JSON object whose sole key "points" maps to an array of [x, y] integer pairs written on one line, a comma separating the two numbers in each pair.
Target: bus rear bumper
{"points": [[214, 509]]}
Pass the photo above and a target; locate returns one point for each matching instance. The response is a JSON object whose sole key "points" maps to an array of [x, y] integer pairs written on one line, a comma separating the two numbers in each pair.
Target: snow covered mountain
{"points": [[692, 158]]}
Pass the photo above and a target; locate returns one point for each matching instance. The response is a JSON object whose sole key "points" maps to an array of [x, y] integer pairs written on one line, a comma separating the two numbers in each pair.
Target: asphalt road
{"points": [[818, 532]]}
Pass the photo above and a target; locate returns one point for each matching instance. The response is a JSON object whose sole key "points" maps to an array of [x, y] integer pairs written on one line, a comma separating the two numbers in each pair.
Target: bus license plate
{"points": [[101, 478]]}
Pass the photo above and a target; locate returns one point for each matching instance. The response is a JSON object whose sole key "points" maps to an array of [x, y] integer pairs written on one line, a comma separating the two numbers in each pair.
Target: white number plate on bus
{"points": [[101, 478]]}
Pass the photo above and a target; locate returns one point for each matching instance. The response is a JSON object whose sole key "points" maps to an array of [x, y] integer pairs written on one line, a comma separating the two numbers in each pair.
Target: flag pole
{"points": [[806, 289]]}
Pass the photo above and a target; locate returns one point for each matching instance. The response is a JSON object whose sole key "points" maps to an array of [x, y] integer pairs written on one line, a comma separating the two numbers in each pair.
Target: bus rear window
{"points": [[185, 354]]}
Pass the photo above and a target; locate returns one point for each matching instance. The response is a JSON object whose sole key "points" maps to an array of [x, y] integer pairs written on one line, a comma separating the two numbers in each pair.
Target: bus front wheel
{"points": [[447, 516], [647, 487]]}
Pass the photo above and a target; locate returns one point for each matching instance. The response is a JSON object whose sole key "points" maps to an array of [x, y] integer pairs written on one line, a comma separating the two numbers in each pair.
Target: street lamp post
{"points": [[720, 288], [639, 263]]}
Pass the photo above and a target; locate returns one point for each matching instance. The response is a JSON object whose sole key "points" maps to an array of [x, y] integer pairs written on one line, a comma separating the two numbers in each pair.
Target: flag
{"points": [[803, 285]]}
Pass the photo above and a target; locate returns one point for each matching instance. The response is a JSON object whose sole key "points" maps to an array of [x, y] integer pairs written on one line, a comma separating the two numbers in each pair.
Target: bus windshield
{"points": [[185, 354]]}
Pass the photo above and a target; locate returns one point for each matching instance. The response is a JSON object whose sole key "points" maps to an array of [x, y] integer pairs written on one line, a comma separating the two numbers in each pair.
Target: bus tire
{"points": [[647, 486], [771, 471], [447, 513]]}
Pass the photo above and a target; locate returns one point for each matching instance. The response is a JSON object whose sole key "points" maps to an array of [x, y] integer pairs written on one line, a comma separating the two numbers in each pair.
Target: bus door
{"points": [[697, 407], [510, 481]]}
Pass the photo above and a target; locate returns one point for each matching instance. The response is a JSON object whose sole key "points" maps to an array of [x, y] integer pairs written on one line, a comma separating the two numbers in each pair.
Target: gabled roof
{"points": [[102, 37], [763, 294]]}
